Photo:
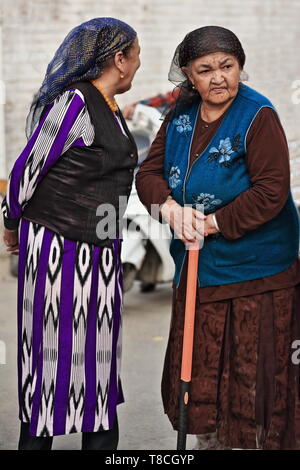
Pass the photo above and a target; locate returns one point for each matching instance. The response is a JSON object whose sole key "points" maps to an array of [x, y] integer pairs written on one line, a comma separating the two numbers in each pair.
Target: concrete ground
{"points": [[143, 425]]}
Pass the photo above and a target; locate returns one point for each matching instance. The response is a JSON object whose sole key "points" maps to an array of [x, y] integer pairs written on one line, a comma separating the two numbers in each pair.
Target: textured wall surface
{"points": [[269, 31]]}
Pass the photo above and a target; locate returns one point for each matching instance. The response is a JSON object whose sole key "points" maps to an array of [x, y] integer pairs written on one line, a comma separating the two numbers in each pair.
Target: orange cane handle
{"points": [[189, 319]]}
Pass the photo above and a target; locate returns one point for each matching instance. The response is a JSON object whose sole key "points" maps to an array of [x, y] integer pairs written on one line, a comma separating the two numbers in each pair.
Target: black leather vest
{"points": [[84, 178]]}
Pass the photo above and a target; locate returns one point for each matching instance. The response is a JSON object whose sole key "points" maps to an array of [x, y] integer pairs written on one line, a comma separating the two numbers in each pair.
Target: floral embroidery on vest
{"points": [[183, 124], [224, 152], [174, 175], [208, 200]]}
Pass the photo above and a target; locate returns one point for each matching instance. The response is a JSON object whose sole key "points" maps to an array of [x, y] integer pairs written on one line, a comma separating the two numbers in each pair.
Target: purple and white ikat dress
{"points": [[69, 297]]}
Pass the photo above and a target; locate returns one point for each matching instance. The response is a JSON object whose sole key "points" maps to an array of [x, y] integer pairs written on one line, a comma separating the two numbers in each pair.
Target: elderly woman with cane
{"points": [[222, 145], [80, 156]]}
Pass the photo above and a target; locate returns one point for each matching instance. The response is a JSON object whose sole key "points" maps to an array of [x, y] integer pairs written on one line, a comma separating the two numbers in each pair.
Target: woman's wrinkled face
{"points": [[215, 76]]}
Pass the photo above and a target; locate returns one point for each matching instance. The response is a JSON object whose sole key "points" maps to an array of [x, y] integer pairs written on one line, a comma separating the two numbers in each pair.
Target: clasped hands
{"points": [[189, 224]]}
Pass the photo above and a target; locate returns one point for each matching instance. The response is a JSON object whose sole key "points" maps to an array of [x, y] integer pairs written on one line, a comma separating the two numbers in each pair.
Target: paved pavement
{"points": [[142, 422]]}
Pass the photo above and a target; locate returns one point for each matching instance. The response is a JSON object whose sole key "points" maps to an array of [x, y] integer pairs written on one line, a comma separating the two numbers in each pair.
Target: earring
{"points": [[121, 75], [194, 88]]}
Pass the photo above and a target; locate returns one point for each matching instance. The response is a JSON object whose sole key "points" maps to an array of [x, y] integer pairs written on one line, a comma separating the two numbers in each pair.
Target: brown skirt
{"points": [[244, 384]]}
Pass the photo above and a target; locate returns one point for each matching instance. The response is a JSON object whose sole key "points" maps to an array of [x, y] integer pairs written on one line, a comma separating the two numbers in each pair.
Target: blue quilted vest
{"points": [[217, 176]]}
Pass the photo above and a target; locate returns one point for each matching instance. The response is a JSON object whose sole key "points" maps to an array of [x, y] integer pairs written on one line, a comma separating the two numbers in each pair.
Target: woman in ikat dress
{"points": [[79, 154]]}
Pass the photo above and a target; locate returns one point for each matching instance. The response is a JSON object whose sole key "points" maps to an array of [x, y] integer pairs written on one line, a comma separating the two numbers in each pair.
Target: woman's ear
{"points": [[119, 61], [187, 73]]}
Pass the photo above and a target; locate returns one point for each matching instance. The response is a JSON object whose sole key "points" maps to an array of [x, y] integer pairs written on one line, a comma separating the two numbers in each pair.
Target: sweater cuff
{"points": [[215, 222], [11, 224], [222, 226], [225, 225]]}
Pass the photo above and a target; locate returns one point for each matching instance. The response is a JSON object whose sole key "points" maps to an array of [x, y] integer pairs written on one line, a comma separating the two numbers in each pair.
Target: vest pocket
{"points": [[231, 254]]}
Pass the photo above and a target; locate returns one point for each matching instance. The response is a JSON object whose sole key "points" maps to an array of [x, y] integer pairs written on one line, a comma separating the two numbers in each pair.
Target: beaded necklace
{"points": [[112, 104]]}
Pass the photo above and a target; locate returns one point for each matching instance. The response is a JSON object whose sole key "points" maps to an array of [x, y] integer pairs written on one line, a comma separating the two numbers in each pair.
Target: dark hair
{"points": [[198, 43], [109, 60], [128, 48], [209, 39]]}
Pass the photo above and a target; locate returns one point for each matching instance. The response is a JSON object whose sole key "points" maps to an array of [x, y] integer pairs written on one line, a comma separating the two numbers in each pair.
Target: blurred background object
{"points": [[146, 242]]}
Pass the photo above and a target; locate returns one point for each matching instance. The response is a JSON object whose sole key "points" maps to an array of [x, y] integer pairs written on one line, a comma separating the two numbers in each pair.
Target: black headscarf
{"points": [[198, 43]]}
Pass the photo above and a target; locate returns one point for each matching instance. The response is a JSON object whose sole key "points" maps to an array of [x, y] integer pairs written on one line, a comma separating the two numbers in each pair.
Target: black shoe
{"points": [[147, 286]]}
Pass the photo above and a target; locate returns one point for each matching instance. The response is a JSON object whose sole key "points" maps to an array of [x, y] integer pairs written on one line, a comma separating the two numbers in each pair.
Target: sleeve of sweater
{"points": [[151, 186], [267, 159]]}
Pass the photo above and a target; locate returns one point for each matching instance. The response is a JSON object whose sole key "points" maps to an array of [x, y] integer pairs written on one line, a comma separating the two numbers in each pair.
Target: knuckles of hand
{"points": [[188, 223]]}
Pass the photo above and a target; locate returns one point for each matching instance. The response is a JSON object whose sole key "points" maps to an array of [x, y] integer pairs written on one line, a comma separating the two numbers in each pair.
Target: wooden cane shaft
{"points": [[189, 321]]}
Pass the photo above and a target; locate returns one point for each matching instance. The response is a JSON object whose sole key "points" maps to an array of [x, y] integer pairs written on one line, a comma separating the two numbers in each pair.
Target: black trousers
{"points": [[101, 440]]}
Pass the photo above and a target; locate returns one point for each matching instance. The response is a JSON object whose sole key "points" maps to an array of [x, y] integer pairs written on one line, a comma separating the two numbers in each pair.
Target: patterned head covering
{"points": [[81, 56], [198, 43]]}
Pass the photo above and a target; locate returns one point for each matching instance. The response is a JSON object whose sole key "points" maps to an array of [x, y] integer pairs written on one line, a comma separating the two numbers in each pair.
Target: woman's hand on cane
{"points": [[187, 223], [11, 241]]}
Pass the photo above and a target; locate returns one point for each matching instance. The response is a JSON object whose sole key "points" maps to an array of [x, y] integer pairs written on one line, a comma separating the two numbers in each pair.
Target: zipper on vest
{"points": [[188, 172], [199, 156]]}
